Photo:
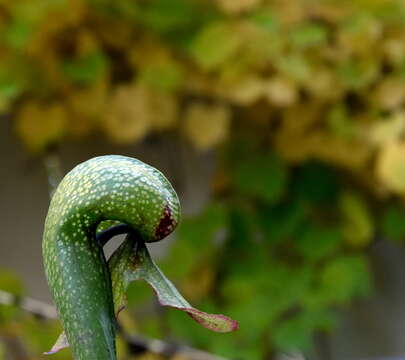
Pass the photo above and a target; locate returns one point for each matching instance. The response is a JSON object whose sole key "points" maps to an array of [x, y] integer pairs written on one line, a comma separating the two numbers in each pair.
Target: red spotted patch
{"points": [[166, 224]]}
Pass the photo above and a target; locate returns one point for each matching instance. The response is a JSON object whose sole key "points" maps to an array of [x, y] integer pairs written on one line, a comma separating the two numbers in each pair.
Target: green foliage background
{"points": [[303, 101]]}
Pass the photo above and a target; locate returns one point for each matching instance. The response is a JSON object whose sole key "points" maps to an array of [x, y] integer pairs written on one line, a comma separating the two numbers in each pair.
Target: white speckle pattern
{"points": [[103, 188]]}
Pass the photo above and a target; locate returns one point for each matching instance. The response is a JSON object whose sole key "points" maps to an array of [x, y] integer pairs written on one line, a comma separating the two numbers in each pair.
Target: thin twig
{"points": [[32, 306], [54, 171]]}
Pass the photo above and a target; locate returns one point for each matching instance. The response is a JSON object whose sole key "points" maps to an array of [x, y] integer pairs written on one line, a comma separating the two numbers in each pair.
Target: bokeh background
{"points": [[281, 125]]}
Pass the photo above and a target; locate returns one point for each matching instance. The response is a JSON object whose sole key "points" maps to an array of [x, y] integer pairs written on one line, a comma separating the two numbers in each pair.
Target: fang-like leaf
{"points": [[133, 262]]}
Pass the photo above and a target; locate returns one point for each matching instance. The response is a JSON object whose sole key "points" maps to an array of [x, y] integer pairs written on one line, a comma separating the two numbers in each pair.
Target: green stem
{"points": [[104, 188]]}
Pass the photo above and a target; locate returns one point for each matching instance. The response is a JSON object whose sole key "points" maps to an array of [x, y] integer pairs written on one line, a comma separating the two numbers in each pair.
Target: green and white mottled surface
{"points": [[103, 188]]}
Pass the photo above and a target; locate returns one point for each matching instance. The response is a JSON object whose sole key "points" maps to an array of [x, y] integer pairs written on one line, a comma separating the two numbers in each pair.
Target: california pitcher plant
{"points": [[87, 290]]}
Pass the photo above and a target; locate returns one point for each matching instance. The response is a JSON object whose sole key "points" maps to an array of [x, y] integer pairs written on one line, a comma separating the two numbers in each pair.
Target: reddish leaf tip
{"points": [[213, 322]]}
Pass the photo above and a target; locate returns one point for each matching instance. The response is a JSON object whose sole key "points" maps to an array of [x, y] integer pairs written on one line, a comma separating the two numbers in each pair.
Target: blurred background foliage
{"points": [[303, 102]]}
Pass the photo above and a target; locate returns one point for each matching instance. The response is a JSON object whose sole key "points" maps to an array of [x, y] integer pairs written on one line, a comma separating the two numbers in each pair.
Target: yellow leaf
{"points": [[390, 93], [86, 105], [297, 148], [390, 166], [127, 116], [164, 110], [324, 84], [394, 49], [244, 91], [388, 129], [40, 125], [207, 125], [135, 110], [281, 91]]}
